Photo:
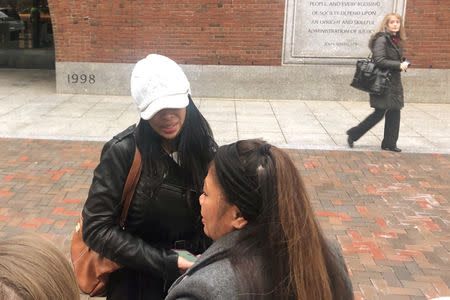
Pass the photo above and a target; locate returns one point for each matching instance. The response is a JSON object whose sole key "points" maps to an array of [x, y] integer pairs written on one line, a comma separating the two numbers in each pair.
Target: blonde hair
{"points": [[384, 24], [32, 267]]}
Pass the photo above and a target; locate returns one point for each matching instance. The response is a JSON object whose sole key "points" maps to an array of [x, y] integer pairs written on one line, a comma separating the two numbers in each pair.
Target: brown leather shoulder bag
{"points": [[91, 269]]}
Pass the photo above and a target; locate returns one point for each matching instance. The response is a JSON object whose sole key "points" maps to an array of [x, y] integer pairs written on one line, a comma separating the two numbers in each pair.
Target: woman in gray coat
{"points": [[267, 242], [386, 47]]}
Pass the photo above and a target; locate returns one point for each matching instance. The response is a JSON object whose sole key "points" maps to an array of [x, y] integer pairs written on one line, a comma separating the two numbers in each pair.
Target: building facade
{"points": [[238, 48]]}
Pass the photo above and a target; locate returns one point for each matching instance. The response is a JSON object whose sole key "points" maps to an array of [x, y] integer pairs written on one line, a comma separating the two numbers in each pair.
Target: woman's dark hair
{"points": [[262, 181], [195, 146]]}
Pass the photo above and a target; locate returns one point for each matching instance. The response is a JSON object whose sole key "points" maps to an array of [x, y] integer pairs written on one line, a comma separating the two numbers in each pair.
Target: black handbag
{"points": [[369, 78]]}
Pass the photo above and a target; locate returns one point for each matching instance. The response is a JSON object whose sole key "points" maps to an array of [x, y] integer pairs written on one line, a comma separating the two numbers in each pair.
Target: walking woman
{"points": [[386, 46], [267, 242], [177, 147]]}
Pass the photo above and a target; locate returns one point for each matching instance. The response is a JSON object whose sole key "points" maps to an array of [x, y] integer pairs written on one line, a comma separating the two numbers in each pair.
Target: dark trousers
{"points": [[391, 126]]}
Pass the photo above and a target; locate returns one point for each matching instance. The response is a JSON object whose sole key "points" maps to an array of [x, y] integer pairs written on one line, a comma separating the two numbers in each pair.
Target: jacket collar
{"points": [[214, 253], [220, 246], [394, 45], [389, 37]]}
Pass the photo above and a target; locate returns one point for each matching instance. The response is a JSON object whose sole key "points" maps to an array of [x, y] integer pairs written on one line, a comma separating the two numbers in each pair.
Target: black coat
{"points": [[163, 215], [387, 55]]}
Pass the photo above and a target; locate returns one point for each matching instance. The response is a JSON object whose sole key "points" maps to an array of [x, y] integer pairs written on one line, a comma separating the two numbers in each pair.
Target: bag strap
{"points": [[130, 186], [394, 45]]}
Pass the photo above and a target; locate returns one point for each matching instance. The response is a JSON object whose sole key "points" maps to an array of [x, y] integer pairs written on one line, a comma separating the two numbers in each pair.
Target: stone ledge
{"points": [[305, 82]]}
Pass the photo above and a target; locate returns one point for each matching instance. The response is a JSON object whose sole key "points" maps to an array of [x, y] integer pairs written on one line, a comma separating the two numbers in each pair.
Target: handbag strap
{"points": [[130, 186], [394, 45]]}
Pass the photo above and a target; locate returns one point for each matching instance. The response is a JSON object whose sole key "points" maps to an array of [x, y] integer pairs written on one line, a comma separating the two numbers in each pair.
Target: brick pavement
{"points": [[389, 212]]}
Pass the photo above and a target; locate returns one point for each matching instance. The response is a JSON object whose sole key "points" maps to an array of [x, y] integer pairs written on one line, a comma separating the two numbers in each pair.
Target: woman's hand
{"points": [[183, 264], [404, 66]]}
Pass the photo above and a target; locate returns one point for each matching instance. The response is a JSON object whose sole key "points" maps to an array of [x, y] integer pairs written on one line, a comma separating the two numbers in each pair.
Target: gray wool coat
{"points": [[212, 277], [387, 55], [208, 278]]}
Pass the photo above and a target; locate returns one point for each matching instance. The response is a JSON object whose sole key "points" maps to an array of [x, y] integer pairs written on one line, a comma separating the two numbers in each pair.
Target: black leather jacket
{"points": [[163, 215]]}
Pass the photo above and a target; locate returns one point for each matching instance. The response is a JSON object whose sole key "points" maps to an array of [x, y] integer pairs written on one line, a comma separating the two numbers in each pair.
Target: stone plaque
{"points": [[332, 31]]}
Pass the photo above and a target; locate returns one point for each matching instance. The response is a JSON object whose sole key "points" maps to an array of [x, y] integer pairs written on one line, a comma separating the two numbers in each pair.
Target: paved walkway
{"points": [[29, 107], [388, 212]]}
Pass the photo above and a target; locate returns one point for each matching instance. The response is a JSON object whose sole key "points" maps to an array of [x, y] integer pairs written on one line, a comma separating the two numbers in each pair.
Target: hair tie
{"points": [[264, 150]]}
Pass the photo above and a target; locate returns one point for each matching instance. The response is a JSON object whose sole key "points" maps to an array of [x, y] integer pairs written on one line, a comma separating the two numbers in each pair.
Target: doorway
{"points": [[26, 35]]}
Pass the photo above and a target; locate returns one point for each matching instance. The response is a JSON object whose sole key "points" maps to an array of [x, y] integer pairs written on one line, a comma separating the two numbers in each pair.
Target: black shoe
{"points": [[394, 149], [350, 142]]}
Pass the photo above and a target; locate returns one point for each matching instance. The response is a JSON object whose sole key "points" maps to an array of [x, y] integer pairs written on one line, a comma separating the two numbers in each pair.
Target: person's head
{"points": [[32, 267], [241, 188], [169, 118], [219, 215], [393, 23], [255, 188], [160, 90]]}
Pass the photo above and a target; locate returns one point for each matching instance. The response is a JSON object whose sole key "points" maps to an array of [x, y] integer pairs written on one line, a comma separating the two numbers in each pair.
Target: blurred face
{"points": [[393, 24], [218, 216], [168, 122]]}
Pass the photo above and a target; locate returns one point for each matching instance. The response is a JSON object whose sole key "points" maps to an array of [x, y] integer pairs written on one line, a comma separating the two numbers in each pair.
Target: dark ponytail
{"points": [[282, 234]]}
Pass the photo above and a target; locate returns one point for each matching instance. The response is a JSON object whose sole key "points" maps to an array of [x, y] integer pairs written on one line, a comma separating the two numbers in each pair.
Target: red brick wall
{"points": [[226, 32], [242, 32], [427, 26]]}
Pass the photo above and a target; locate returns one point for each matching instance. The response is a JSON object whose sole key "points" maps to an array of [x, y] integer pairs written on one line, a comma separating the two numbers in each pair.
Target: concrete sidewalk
{"points": [[29, 107]]}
